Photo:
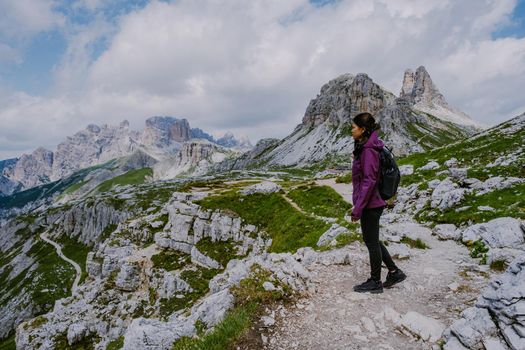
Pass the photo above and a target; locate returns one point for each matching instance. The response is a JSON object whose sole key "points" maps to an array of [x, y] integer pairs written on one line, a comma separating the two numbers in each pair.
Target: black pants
{"points": [[376, 249]]}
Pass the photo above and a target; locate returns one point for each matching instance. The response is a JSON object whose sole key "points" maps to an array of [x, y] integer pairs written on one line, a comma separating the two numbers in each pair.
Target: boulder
{"points": [[213, 308], [426, 328], [430, 166], [153, 334], [452, 162], [406, 169], [262, 187], [458, 174], [497, 233], [332, 233], [447, 231], [203, 260], [446, 195]]}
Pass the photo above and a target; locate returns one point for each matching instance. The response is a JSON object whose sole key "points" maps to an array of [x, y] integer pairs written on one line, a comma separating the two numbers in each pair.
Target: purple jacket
{"points": [[365, 177]]}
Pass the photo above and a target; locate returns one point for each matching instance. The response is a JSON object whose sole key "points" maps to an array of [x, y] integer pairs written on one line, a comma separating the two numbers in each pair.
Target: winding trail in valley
{"points": [[58, 249]]}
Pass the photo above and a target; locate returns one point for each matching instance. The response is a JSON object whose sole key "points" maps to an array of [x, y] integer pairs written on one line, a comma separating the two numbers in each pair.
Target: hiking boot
{"points": [[393, 278], [370, 285]]}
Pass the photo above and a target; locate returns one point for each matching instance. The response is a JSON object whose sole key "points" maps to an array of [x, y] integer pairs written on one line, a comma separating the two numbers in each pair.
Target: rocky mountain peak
{"points": [[229, 140], [422, 94], [344, 97], [168, 129], [418, 87], [408, 85]]}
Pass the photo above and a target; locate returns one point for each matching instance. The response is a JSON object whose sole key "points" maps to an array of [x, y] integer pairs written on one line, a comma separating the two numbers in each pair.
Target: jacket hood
{"points": [[374, 142]]}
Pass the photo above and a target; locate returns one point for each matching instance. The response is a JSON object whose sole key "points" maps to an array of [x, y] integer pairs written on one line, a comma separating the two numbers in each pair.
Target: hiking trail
{"points": [[442, 281], [65, 258]]}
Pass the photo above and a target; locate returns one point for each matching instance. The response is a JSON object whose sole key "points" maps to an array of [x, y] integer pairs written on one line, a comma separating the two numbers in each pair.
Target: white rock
{"points": [[76, 332], [497, 233], [505, 299], [128, 277], [434, 183], [446, 195], [332, 233], [475, 324], [430, 166], [268, 286], [267, 321], [399, 250], [458, 174], [153, 334], [262, 187], [200, 259], [453, 286], [447, 231], [496, 183], [451, 162], [427, 328], [507, 255], [406, 169], [213, 308], [486, 208]]}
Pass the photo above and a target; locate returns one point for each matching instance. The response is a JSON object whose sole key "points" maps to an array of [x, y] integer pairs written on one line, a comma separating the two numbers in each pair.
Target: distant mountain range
{"points": [[162, 139], [416, 120]]}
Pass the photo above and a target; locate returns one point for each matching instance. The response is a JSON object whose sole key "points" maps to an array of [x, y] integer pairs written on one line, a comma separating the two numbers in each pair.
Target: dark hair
{"points": [[364, 120]]}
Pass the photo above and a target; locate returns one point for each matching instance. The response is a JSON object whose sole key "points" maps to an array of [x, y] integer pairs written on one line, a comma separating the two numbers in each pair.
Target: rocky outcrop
{"points": [[163, 136], [419, 88], [116, 299], [188, 224], [497, 233], [86, 221], [331, 234], [497, 321]]}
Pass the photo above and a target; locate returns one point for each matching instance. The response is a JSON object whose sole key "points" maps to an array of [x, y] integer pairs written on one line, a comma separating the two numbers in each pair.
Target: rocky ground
{"points": [[443, 280]]}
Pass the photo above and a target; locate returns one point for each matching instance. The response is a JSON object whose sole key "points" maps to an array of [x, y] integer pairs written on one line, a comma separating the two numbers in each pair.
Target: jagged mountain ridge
{"points": [[162, 139], [408, 123]]}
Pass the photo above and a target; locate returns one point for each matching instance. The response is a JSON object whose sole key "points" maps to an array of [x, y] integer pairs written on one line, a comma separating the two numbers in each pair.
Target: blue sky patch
{"points": [[517, 28]]}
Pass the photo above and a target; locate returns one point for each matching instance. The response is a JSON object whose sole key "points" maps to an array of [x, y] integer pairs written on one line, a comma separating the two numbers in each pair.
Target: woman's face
{"points": [[357, 131]]}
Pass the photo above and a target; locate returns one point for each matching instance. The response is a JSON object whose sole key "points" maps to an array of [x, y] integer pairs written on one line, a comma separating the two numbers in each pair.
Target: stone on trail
{"points": [[426, 328]]}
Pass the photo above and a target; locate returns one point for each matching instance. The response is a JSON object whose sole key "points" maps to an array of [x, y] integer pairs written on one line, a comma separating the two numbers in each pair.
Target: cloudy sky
{"points": [[249, 67]]}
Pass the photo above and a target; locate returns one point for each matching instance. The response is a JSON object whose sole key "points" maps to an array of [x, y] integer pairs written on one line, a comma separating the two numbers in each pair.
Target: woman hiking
{"points": [[368, 204]]}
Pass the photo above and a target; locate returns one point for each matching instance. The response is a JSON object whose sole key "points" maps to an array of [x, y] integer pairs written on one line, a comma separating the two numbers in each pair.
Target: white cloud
{"points": [[252, 66], [23, 18]]}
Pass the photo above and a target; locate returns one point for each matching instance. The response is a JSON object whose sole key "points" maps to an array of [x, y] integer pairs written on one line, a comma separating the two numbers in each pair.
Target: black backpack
{"points": [[389, 174]]}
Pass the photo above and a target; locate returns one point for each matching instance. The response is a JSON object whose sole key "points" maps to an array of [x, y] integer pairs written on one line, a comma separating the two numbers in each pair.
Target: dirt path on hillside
{"points": [[442, 281], [58, 249]]}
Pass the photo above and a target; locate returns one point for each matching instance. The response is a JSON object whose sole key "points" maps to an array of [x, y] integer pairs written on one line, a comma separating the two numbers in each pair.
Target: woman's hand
{"points": [[354, 218]]}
